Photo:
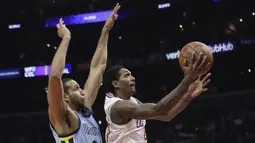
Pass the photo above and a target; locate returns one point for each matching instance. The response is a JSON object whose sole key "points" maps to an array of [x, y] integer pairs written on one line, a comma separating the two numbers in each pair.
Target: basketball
{"points": [[196, 48]]}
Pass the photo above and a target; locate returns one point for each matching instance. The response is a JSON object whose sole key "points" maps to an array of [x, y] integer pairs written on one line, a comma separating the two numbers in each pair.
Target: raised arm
{"points": [[99, 60], [127, 109], [55, 93]]}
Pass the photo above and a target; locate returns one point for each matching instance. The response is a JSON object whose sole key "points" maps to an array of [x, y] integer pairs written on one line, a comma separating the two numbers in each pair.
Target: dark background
{"points": [[223, 114]]}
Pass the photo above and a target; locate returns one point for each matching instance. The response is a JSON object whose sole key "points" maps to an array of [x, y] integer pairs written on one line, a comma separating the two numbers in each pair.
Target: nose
{"points": [[82, 92], [132, 78]]}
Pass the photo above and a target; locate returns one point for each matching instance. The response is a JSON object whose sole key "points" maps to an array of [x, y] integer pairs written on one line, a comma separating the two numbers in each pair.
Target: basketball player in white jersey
{"points": [[126, 115]]}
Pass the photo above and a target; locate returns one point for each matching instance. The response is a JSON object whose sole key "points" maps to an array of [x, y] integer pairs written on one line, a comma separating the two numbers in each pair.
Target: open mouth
{"points": [[132, 84]]}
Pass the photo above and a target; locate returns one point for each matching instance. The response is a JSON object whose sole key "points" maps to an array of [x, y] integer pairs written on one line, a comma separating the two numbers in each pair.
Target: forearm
{"points": [[97, 69], [100, 56], [127, 109], [179, 107], [58, 63], [93, 84], [171, 99]]}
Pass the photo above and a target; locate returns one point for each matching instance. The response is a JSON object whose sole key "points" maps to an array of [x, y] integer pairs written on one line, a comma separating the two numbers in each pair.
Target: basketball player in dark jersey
{"points": [[69, 104]]}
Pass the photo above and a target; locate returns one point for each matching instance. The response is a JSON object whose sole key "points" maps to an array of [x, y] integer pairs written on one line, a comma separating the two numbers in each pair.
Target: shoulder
{"points": [[110, 99], [120, 109], [138, 101]]}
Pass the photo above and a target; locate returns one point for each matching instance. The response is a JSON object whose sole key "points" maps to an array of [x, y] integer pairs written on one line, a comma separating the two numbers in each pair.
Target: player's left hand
{"points": [[199, 86], [62, 30], [113, 16]]}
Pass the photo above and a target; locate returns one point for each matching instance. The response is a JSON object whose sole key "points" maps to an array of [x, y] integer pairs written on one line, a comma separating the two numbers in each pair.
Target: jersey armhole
{"points": [[86, 112], [69, 134], [108, 112]]}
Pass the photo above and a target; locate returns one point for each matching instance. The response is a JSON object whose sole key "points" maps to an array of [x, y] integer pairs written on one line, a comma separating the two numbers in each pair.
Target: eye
{"points": [[126, 74], [76, 87]]}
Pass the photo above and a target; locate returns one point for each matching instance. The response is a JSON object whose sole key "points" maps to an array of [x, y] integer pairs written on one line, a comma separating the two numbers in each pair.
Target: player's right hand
{"points": [[113, 16], [62, 30], [195, 66], [199, 86]]}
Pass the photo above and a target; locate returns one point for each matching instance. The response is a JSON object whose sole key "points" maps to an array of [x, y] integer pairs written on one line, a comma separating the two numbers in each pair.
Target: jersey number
{"points": [[67, 139], [70, 140], [139, 123]]}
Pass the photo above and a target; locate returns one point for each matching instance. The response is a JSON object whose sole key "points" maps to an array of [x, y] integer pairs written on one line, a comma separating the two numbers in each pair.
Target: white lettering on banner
{"points": [[222, 47], [46, 70], [9, 73], [216, 48], [14, 26], [165, 5], [92, 17], [66, 71], [173, 55], [29, 71]]}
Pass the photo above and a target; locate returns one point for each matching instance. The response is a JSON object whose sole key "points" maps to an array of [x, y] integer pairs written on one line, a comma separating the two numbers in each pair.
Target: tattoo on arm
{"points": [[171, 99], [179, 107]]}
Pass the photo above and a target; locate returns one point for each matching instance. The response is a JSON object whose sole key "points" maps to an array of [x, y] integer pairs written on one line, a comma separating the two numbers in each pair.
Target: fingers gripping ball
{"points": [[196, 48]]}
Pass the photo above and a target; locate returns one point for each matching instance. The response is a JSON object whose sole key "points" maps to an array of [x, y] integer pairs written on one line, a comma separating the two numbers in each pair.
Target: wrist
{"points": [[105, 31], [187, 80], [67, 36], [188, 96]]}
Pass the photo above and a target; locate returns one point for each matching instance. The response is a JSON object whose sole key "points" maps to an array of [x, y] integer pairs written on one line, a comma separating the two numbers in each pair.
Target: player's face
{"points": [[75, 93], [126, 82]]}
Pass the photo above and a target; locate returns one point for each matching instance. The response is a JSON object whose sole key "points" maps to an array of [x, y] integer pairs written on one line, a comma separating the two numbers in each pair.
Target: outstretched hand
{"points": [[195, 66], [199, 86], [113, 16], [62, 30]]}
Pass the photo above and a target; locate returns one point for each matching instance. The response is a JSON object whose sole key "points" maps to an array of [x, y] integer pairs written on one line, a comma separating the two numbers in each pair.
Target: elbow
{"points": [[168, 118], [56, 75], [100, 67], [103, 67], [102, 64]]}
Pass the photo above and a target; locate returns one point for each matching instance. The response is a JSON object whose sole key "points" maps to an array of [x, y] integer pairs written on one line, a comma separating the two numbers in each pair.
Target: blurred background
{"points": [[146, 39]]}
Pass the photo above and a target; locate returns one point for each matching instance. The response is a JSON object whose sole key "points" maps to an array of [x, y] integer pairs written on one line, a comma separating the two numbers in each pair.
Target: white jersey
{"points": [[132, 132]]}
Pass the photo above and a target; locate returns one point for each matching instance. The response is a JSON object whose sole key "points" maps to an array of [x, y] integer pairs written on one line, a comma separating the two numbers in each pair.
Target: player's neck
{"points": [[123, 95], [74, 108]]}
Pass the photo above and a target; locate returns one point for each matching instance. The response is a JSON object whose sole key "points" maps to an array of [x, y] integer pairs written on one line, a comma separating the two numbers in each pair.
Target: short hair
{"points": [[111, 74], [64, 81]]}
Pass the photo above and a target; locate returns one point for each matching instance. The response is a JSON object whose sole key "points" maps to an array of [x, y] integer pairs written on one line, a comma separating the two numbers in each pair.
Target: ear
{"points": [[115, 84], [66, 98]]}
